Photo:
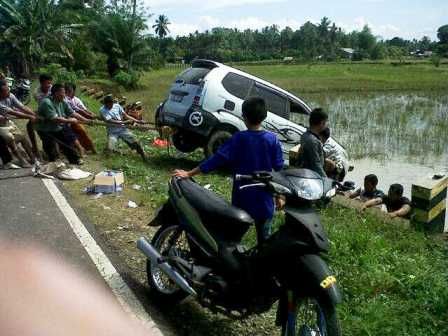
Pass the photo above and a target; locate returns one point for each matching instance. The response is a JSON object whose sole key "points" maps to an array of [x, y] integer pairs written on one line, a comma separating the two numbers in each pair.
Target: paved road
{"points": [[30, 213]]}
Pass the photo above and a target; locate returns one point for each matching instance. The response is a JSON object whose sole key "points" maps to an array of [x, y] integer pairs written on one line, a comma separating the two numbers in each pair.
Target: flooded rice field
{"points": [[400, 137]]}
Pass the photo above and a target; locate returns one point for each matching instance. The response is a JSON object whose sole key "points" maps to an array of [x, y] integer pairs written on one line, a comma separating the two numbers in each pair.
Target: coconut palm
{"points": [[33, 28], [121, 37], [161, 26]]}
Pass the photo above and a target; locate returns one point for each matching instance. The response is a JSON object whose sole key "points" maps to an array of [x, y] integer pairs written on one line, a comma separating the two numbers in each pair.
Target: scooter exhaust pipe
{"points": [[155, 257]]}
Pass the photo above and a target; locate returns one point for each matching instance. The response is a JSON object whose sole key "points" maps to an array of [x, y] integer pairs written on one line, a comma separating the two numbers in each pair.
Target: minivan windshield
{"points": [[192, 75]]}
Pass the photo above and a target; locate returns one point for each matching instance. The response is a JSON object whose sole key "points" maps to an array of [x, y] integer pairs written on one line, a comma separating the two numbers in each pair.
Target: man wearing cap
{"points": [[117, 118]]}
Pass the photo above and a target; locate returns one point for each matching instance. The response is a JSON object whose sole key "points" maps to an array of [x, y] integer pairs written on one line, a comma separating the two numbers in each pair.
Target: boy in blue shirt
{"points": [[245, 153]]}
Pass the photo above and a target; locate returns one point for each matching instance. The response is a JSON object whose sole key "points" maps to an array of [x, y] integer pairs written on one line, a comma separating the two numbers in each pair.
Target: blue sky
{"points": [[387, 18]]}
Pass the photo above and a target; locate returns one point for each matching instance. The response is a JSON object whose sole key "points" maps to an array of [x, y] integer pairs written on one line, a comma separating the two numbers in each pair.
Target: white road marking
{"points": [[124, 294]]}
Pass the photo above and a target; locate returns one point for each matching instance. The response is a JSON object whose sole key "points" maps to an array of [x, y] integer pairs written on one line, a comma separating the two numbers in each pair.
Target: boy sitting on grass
{"points": [[117, 118], [396, 204], [245, 153], [369, 191]]}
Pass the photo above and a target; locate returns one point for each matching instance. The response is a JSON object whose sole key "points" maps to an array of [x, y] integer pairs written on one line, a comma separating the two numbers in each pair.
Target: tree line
{"points": [[113, 37], [323, 41]]}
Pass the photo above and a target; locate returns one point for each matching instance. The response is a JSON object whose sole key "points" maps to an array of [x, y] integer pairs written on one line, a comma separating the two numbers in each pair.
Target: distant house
{"points": [[423, 54], [288, 59], [347, 53]]}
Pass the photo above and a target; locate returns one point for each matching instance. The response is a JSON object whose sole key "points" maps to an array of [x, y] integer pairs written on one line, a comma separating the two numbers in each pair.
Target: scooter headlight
{"points": [[309, 189]]}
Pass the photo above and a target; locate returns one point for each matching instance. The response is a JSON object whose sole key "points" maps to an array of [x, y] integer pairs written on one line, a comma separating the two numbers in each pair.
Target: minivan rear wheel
{"points": [[215, 141], [184, 142]]}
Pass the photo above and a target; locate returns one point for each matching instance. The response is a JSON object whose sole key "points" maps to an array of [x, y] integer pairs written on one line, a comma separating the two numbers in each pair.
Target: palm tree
{"points": [[32, 27], [121, 37], [161, 26]]}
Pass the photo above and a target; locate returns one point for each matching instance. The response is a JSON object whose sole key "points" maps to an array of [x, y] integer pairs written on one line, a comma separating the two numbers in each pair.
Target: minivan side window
{"points": [[274, 102], [192, 75], [296, 107], [237, 85]]}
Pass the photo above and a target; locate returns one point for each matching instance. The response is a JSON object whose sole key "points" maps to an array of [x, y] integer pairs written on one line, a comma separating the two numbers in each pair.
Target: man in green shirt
{"points": [[53, 113]]}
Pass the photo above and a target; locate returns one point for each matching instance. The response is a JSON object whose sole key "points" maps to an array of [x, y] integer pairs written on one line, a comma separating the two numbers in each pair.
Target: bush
{"points": [[128, 79], [435, 60], [59, 73], [80, 74], [157, 62]]}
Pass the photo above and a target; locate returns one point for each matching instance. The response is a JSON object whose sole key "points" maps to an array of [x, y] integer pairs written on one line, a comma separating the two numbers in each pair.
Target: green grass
{"points": [[394, 279], [300, 79]]}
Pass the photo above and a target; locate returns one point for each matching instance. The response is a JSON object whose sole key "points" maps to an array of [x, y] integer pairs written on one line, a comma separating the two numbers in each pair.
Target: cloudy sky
{"points": [[387, 18]]}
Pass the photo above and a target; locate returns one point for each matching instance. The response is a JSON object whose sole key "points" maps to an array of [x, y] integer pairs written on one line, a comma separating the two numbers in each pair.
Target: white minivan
{"points": [[204, 107]]}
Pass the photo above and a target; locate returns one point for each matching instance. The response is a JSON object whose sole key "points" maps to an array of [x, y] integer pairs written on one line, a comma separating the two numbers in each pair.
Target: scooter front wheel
{"points": [[168, 241], [311, 317]]}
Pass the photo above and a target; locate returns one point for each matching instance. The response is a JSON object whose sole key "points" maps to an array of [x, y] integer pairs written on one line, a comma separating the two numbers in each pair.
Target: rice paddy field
{"points": [[392, 121]]}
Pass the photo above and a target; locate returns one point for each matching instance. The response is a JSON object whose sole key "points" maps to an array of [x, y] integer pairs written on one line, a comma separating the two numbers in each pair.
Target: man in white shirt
{"points": [[334, 162], [44, 89], [117, 118], [76, 104], [10, 106]]}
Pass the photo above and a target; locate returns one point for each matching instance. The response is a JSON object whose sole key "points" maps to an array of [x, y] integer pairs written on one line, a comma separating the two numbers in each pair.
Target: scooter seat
{"points": [[219, 216]]}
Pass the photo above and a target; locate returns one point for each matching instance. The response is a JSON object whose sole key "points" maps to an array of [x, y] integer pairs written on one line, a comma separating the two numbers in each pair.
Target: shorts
{"points": [[123, 134], [9, 131]]}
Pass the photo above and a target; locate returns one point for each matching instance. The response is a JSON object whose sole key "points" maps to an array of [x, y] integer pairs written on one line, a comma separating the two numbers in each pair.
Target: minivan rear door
{"points": [[185, 88]]}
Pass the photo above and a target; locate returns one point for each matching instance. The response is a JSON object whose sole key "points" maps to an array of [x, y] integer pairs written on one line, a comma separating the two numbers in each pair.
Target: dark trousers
{"points": [[5, 155], [32, 136], [49, 141]]}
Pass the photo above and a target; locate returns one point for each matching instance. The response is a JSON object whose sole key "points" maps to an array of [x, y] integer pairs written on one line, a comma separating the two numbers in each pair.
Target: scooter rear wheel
{"points": [[169, 241]]}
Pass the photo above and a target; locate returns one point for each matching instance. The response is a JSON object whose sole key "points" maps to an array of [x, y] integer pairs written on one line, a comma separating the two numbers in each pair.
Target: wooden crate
{"points": [[429, 203]]}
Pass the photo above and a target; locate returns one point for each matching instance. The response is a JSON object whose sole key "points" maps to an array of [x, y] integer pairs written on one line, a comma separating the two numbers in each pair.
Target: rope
{"points": [[105, 124]]}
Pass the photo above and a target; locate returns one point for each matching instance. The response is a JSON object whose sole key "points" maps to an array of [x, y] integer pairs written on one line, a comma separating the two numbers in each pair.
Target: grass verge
{"points": [[393, 279]]}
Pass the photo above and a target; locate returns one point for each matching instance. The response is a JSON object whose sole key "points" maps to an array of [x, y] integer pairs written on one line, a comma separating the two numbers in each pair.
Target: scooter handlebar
{"points": [[252, 185]]}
